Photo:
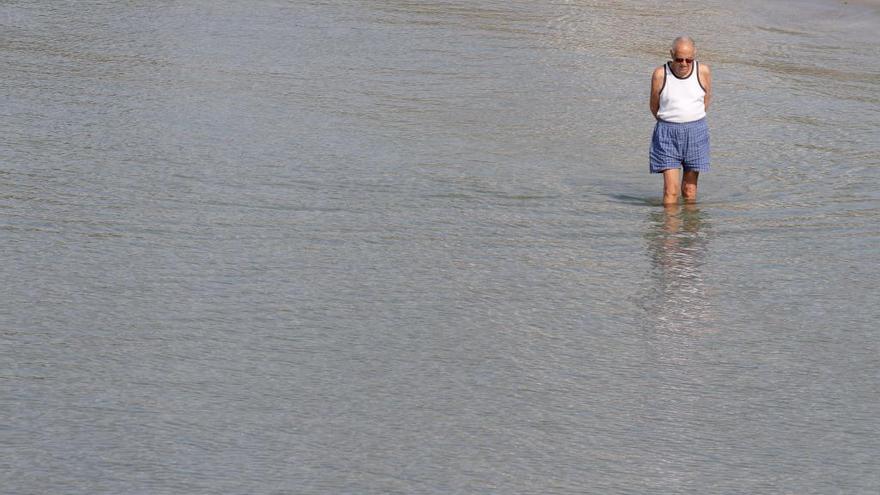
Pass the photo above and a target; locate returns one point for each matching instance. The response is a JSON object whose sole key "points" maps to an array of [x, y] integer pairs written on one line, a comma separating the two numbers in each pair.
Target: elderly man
{"points": [[680, 94]]}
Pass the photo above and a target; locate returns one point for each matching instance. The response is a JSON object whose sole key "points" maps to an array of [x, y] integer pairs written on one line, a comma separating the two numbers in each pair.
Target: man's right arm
{"points": [[657, 80]]}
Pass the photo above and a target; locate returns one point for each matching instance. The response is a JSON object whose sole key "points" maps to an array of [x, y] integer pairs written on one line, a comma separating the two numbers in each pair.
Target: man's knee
{"points": [[689, 191], [670, 194]]}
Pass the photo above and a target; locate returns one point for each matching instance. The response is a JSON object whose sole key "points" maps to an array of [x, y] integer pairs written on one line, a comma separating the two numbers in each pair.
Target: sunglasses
{"points": [[683, 60]]}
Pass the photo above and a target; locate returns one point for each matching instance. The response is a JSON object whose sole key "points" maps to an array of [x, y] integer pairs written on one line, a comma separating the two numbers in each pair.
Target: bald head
{"points": [[683, 41]]}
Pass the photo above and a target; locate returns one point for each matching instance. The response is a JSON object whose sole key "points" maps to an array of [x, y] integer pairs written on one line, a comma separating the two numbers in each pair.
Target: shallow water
{"points": [[413, 247]]}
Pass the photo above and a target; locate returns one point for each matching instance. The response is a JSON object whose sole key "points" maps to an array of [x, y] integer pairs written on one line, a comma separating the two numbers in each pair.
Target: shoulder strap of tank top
{"points": [[665, 75]]}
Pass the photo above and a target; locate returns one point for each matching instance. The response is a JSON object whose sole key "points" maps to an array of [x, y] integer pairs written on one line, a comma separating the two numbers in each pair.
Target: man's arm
{"points": [[706, 80], [657, 81]]}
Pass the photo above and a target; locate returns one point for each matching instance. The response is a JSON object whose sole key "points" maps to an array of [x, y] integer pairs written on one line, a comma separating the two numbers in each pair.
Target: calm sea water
{"points": [[412, 246]]}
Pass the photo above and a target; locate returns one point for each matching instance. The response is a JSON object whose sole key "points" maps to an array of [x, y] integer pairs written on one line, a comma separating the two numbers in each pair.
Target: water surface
{"points": [[413, 247]]}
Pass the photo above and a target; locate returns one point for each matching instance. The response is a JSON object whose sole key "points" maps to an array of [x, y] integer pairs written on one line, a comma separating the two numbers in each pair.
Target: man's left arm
{"points": [[706, 79]]}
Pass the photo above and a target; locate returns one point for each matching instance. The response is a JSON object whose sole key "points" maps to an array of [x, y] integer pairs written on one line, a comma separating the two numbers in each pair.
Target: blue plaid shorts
{"points": [[674, 145]]}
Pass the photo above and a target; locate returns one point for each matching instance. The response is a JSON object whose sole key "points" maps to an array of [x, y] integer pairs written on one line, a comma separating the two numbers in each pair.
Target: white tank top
{"points": [[681, 99]]}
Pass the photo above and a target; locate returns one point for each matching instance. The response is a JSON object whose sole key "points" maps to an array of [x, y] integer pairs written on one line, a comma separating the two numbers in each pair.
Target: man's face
{"points": [[681, 55]]}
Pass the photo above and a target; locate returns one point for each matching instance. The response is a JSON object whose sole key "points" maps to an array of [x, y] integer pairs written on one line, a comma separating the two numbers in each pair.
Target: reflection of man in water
{"points": [[678, 247], [680, 94]]}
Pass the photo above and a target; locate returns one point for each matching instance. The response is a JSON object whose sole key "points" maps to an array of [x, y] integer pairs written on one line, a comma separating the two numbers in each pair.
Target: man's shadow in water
{"points": [[636, 200], [677, 243]]}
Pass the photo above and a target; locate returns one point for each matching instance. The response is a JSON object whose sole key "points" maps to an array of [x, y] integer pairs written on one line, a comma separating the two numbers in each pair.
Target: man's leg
{"points": [[689, 185], [671, 186]]}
